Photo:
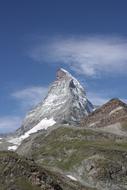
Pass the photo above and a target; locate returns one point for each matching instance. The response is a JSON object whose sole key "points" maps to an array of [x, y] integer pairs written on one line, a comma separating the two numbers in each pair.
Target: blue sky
{"points": [[86, 37]]}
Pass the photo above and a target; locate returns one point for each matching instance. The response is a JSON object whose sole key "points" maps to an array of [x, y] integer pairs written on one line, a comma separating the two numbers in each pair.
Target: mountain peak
{"points": [[116, 101], [62, 73], [111, 112], [66, 102]]}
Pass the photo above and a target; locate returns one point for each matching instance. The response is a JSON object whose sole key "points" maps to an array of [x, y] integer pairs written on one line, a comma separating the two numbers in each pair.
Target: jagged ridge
{"points": [[66, 102]]}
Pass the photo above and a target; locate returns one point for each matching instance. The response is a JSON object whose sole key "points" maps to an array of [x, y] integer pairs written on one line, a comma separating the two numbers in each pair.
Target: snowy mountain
{"points": [[66, 102]]}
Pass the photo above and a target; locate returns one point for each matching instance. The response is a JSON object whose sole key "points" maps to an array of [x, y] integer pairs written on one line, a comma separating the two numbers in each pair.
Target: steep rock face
{"points": [[114, 111], [66, 102]]}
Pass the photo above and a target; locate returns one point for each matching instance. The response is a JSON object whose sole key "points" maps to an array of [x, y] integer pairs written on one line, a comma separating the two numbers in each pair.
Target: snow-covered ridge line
{"points": [[42, 125]]}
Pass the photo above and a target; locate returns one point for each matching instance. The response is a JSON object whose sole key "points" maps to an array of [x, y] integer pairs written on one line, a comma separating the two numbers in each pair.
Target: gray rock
{"points": [[66, 102]]}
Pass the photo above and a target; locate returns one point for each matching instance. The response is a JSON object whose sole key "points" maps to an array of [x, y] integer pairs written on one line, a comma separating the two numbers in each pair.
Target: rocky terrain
{"points": [[19, 173], [111, 117], [66, 102], [96, 155], [70, 146], [96, 159], [113, 111]]}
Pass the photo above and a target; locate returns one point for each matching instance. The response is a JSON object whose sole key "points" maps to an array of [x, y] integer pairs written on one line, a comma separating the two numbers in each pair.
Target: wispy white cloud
{"points": [[26, 98], [100, 98], [30, 96], [92, 56], [9, 123]]}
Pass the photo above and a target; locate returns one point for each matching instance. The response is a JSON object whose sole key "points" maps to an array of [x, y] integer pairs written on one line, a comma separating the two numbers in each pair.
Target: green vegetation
{"points": [[20, 173], [26, 185], [72, 150], [67, 154], [65, 147]]}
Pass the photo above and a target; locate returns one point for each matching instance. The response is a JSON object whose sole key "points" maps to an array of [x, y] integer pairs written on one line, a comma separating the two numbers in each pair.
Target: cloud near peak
{"points": [[9, 123], [30, 96], [91, 56], [26, 99]]}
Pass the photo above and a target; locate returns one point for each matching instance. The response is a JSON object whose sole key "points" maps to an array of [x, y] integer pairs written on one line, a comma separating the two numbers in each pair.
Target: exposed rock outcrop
{"points": [[112, 112], [66, 102]]}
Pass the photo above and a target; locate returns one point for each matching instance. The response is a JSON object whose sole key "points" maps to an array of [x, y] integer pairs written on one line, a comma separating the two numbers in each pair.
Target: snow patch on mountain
{"points": [[12, 148], [42, 125], [0, 140], [72, 178]]}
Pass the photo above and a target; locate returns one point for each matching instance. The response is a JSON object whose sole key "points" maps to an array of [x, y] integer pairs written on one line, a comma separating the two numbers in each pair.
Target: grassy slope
{"points": [[67, 149]]}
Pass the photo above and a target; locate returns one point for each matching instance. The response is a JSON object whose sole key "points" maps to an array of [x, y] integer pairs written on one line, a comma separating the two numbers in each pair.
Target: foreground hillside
{"points": [[94, 158], [17, 173]]}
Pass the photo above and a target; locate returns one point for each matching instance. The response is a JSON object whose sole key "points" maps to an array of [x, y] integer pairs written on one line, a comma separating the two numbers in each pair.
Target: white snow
{"points": [[43, 124], [0, 141], [12, 147], [71, 177], [116, 109]]}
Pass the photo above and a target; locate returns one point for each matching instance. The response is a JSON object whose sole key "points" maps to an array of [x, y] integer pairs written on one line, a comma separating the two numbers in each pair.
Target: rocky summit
{"points": [[66, 102]]}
